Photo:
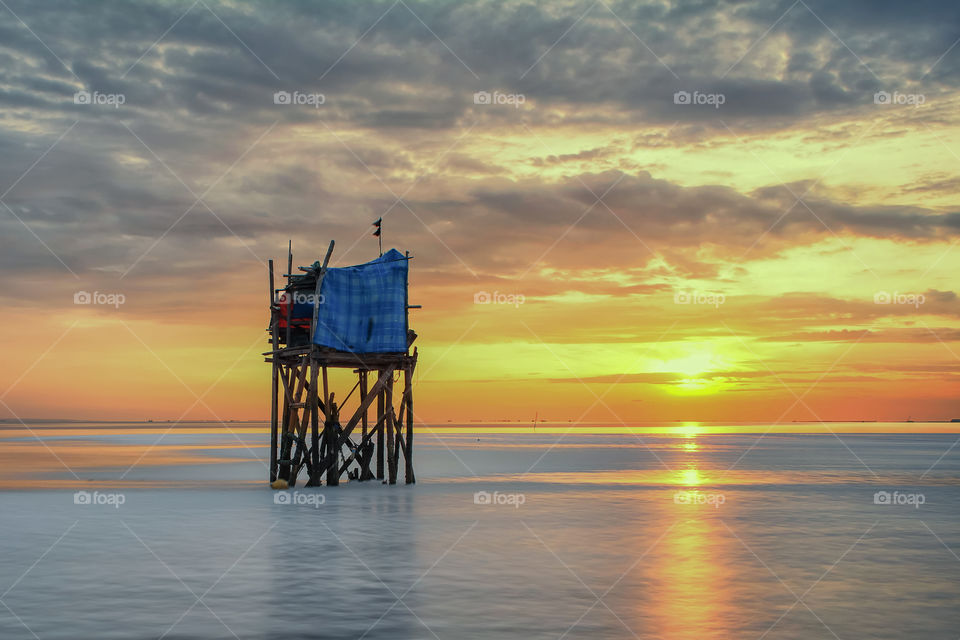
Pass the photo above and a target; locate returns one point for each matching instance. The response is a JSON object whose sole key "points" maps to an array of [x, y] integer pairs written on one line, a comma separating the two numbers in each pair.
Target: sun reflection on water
{"points": [[692, 598], [690, 477]]}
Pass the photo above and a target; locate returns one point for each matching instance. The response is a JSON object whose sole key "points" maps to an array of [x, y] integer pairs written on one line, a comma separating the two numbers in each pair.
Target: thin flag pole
{"points": [[378, 223]]}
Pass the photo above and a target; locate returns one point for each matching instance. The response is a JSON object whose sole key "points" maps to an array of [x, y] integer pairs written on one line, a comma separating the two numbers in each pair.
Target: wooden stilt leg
{"points": [[398, 444], [408, 396], [363, 396], [314, 430], [333, 443], [390, 426], [364, 459], [274, 379], [283, 471], [274, 410], [326, 390], [381, 432]]}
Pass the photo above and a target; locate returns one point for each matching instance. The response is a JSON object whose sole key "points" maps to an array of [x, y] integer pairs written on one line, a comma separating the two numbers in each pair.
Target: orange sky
{"points": [[763, 260]]}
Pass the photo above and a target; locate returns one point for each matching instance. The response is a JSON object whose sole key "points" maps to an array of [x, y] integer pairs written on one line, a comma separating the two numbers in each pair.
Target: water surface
{"points": [[576, 535]]}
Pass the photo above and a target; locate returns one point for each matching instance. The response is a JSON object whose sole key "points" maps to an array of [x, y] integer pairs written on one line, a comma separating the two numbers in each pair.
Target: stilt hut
{"points": [[354, 318]]}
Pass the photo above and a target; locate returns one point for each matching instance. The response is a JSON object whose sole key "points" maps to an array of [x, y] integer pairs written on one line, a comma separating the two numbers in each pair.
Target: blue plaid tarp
{"points": [[363, 309]]}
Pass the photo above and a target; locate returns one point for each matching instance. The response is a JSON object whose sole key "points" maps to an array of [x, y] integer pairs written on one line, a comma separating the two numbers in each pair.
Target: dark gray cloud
{"points": [[418, 67]]}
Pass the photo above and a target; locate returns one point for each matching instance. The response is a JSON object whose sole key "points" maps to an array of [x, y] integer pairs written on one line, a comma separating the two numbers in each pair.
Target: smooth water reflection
{"points": [[692, 589], [682, 536]]}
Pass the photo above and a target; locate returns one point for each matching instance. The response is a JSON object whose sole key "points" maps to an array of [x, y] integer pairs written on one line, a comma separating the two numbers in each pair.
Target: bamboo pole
{"points": [[315, 428], [333, 443], [408, 395], [380, 431], [326, 391], [391, 454], [274, 381], [365, 467], [284, 472], [398, 442], [316, 295]]}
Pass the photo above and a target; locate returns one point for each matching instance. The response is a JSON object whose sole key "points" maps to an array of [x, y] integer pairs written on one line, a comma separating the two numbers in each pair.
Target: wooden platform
{"points": [[306, 432]]}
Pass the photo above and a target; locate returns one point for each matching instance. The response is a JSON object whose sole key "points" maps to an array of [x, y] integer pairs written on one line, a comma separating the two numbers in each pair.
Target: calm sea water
{"points": [[547, 535]]}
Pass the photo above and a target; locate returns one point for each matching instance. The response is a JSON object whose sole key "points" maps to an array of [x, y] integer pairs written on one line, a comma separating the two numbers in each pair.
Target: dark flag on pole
{"points": [[378, 233]]}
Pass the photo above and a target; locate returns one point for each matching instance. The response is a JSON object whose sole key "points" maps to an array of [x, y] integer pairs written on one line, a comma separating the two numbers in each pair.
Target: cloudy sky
{"points": [[727, 210]]}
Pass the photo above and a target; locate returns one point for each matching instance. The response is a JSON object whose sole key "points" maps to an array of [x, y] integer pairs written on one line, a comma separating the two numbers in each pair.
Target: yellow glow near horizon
{"points": [[692, 386], [687, 430]]}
